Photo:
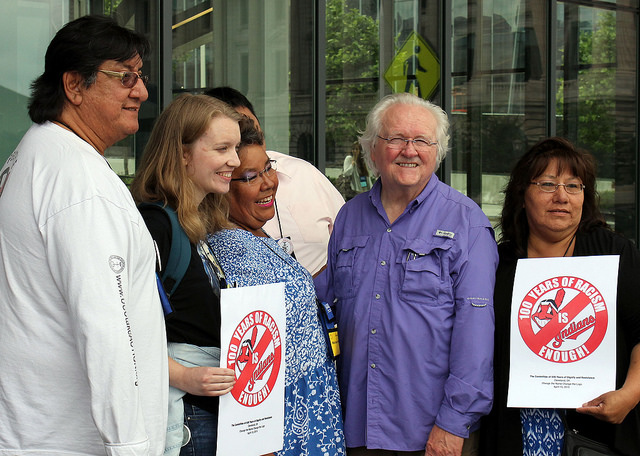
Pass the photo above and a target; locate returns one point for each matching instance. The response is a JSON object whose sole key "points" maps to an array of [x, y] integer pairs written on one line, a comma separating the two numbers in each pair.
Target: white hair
{"points": [[375, 118]]}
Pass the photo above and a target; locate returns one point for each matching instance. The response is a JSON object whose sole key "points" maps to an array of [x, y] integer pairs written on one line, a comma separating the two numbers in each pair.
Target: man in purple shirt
{"points": [[410, 272]]}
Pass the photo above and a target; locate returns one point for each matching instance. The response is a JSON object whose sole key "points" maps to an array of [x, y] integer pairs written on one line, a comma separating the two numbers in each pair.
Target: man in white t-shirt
{"points": [[306, 202], [83, 360]]}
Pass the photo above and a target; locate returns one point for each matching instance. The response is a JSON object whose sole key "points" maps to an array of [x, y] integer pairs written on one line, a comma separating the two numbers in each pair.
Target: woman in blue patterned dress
{"points": [[248, 256]]}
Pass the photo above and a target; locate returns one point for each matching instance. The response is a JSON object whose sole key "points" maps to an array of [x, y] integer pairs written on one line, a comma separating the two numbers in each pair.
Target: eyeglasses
{"points": [[421, 145], [127, 78], [251, 177], [550, 187]]}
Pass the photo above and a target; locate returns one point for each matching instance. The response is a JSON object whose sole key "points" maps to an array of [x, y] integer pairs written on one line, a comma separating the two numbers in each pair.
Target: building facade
{"points": [[508, 72]]}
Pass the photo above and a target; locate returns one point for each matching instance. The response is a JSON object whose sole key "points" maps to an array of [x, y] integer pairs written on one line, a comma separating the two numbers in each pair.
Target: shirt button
{"points": [[373, 331], [383, 262], [373, 365], [388, 230], [377, 295]]}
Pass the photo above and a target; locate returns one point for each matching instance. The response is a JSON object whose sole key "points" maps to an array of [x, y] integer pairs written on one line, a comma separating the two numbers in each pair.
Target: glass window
{"points": [[373, 49], [596, 104], [505, 95], [352, 88], [258, 51], [313, 70], [26, 28], [498, 94]]}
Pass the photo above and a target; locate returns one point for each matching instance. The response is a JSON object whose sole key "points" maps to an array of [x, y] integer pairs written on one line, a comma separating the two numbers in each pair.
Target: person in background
{"points": [[410, 272], [83, 357], [551, 210], [187, 165], [355, 171], [248, 256], [307, 201]]}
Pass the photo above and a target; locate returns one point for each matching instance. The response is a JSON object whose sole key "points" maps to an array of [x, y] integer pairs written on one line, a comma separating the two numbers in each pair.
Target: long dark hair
{"points": [[513, 222], [81, 45]]}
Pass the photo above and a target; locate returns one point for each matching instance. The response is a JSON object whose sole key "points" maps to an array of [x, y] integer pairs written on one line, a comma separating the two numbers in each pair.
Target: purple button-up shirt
{"points": [[414, 303]]}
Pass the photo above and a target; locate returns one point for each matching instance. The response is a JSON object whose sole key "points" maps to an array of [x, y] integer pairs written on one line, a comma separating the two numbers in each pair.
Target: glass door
{"points": [[596, 99]]}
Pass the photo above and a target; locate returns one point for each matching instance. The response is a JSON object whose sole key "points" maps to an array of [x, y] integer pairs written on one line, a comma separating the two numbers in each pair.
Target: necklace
{"points": [[275, 203], [286, 254], [570, 242], [68, 128], [62, 124], [284, 242]]}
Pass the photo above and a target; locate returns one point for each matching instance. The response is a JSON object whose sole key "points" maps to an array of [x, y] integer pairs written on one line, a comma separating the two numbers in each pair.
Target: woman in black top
{"points": [[551, 210], [187, 166]]}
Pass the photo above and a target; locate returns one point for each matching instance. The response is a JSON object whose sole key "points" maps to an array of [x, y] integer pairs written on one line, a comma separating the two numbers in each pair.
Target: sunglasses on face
{"points": [[127, 78]]}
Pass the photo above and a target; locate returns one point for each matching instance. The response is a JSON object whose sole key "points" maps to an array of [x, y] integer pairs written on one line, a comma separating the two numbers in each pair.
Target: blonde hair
{"points": [[162, 174]]}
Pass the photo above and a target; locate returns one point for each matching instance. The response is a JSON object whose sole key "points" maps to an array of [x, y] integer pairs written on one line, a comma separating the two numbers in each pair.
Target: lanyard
{"points": [[211, 266]]}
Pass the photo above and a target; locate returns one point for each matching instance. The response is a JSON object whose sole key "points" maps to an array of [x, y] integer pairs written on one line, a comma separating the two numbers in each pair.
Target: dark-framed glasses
{"points": [[252, 177], [550, 187], [397, 143], [127, 78]]}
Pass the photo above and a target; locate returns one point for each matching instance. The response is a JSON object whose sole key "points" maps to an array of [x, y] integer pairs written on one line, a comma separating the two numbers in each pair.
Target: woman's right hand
{"points": [[201, 381], [614, 406]]}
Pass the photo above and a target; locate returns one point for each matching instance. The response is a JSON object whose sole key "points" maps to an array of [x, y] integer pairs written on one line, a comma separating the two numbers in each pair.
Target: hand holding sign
{"points": [[201, 381]]}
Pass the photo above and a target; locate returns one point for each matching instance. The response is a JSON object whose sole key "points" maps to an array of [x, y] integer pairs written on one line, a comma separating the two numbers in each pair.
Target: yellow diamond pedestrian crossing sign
{"points": [[414, 69]]}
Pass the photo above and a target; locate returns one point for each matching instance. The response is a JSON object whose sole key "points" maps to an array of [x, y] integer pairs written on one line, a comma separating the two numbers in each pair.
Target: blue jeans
{"points": [[203, 426]]}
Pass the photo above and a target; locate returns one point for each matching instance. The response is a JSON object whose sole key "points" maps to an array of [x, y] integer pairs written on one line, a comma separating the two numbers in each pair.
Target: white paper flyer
{"points": [[563, 331], [251, 417]]}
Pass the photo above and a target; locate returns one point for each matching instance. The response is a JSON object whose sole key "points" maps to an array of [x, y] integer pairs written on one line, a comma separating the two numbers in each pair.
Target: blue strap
{"points": [[164, 299]]}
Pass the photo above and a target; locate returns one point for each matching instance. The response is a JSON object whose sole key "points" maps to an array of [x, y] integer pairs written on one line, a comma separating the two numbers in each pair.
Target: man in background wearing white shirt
{"points": [[306, 202]]}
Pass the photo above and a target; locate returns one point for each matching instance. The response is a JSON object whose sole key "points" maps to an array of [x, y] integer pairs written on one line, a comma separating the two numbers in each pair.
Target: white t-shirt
{"points": [[307, 204], [83, 360]]}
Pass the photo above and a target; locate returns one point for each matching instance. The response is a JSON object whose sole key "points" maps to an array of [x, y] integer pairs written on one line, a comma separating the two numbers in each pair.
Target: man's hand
{"points": [[442, 443]]}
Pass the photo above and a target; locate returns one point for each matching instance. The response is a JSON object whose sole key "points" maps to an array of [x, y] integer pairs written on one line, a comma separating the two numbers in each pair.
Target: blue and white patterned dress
{"points": [[313, 418], [542, 432]]}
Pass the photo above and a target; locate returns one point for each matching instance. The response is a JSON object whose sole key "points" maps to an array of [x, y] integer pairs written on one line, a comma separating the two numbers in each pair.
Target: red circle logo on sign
{"points": [[563, 319], [255, 354]]}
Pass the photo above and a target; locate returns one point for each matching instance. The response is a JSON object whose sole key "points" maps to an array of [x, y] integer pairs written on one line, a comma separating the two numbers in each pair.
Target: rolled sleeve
{"points": [[469, 387], [131, 449]]}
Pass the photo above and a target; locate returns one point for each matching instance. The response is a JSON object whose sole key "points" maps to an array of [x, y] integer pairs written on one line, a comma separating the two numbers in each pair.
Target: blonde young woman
{"points": [[187, 165]]}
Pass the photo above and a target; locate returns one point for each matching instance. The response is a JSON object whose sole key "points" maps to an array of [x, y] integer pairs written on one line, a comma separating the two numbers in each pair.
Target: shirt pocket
{"points": [[425, 271], [347, 275]]}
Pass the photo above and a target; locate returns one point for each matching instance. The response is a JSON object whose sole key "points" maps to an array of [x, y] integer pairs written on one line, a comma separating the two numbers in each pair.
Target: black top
{"points": [[501, 431], [195, 318]]}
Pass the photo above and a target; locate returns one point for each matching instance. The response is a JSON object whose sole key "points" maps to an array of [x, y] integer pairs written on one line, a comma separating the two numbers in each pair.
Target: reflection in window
{"points": [[226, 43], [498, 94], [596, 100], [352, 71]]}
